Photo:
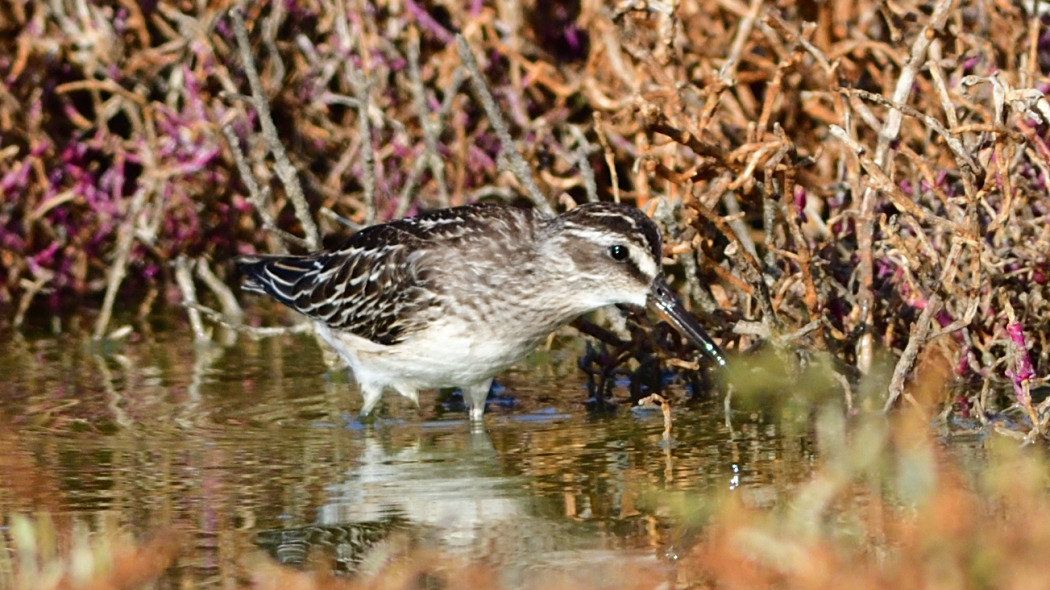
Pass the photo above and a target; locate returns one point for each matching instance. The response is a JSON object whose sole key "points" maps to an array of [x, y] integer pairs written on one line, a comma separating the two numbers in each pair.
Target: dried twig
{"points": [[431, 128], [582, 155], [748, 265], [362, 88], [283, 166], [119, 269], [665, 406], [259, 197], [227, 301], [432, 155], [184, 278], [916, 341], [254, 331], [516, 163], [744, 28], [865, 215]]}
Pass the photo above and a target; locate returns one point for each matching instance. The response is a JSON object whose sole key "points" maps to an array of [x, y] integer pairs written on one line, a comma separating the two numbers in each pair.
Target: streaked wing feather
{"points": [[371, 286], [372, 293]]}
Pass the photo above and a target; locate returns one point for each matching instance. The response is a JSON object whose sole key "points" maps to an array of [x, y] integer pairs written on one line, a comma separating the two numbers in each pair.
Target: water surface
{"points": [[255, 446]]}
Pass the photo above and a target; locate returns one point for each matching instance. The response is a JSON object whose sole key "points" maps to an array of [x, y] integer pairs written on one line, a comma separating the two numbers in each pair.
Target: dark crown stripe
{"points": [[621, 219]]}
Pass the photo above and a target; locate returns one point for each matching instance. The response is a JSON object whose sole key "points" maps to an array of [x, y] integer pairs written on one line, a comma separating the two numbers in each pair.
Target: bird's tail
{"points": [[282, 277]]}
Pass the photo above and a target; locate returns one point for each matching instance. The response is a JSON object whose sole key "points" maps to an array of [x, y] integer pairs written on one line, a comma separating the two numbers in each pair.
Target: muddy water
{"points": [[253, 447]]}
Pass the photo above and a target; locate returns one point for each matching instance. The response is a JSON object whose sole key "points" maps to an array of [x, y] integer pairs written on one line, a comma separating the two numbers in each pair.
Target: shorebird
{"points": [[453, 297]]}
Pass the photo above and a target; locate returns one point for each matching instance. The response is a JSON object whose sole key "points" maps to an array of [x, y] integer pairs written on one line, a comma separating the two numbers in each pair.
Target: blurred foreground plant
{"points": [[848, 178], [36, 556], [887, 505]]}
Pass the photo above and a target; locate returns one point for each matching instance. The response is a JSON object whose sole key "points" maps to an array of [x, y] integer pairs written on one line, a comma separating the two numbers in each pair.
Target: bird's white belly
{"points": [[448, 353]]}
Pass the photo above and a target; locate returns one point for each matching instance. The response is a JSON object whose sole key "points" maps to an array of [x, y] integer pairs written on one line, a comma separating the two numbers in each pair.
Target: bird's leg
{"points": [[372, 394], [475, 396], [410, 393]]}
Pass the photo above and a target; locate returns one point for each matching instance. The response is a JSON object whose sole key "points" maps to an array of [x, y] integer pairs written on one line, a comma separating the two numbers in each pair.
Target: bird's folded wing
{"points": [[372, 292]]}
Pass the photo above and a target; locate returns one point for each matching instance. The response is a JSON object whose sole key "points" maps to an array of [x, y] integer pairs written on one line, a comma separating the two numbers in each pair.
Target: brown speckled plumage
{"points": [[452, 297]]}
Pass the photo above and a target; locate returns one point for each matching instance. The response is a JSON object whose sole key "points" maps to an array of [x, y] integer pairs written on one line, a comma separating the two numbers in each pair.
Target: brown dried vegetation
{"points": [[835, 178], [840, 177]]}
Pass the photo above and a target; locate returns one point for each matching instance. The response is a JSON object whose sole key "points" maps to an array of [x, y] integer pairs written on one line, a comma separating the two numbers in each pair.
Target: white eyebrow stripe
{"points": [[644, 261], [638, 251]]}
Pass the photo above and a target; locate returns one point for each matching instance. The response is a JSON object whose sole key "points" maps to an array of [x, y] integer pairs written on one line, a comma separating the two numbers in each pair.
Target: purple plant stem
{"points": [[1022, 372], [428, 23]]}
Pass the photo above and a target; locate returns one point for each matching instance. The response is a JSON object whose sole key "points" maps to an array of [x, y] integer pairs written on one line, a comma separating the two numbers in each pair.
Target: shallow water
{"points": [[254, 446]]}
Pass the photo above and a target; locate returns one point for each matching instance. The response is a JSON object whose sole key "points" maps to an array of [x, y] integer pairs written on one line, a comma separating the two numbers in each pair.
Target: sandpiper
{"points": [[453, 297]]}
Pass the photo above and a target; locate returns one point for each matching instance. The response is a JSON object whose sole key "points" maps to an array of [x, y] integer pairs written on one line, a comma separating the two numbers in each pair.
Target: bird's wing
{"points": [[376, 285], [369, 287]]}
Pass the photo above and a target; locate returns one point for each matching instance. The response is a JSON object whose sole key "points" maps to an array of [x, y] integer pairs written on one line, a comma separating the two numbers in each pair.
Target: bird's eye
{"points": [[618, 252]]}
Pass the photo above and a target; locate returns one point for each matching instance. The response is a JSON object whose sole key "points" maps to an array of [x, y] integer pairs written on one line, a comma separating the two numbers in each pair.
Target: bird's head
{"points": [[613, 253]]}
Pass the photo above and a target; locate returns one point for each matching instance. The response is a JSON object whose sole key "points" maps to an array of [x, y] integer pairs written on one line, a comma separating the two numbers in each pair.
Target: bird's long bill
{"points": [[670, 308]]}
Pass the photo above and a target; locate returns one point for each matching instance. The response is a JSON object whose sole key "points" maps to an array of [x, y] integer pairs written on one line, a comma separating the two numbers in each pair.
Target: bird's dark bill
{"points": [[670, 308]]}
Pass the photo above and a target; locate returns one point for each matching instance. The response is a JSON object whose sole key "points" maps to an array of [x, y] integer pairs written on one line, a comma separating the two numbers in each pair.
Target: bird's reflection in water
{"points": [[455, 498], [449, 492]]}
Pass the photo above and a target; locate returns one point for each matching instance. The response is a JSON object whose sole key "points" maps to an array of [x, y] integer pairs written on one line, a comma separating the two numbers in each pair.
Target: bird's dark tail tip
{"points": [[285, 278], [252, 268]]}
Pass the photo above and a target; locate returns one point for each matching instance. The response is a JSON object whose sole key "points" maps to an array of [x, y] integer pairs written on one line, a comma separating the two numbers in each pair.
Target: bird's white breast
{"points": [[447, 353]]}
